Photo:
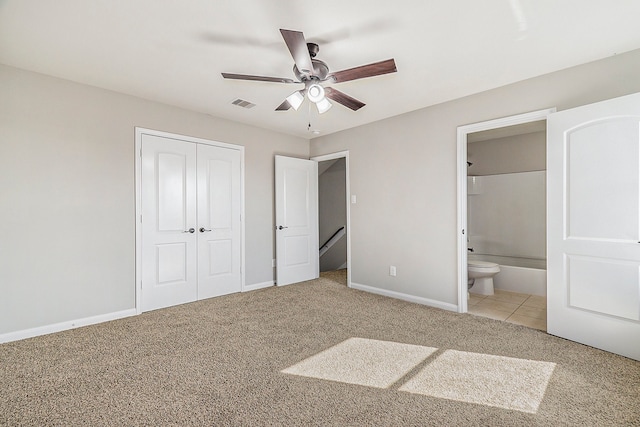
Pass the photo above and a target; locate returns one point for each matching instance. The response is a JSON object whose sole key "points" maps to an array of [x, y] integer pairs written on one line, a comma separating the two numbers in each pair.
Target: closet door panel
{"points": [[169, 270], [219, 222]]}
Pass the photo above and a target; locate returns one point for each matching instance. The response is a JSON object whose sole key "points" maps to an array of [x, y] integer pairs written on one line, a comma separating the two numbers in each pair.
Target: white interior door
{"points": [[169, 222], [190, 235], [593, 230], [219, 222], [296, 191]]}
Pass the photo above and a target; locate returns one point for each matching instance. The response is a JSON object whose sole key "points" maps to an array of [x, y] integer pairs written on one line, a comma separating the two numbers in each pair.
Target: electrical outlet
{"points": [[273, 262], [392, 270]]}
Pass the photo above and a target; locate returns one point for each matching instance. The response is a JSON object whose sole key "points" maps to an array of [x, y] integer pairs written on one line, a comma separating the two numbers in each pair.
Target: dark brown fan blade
{"points": [[284, 106], [257, 78], [343, 98], [369, 70], [299, 51]]}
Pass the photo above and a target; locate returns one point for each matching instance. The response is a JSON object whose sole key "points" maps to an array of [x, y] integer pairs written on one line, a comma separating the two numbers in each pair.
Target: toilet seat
{"points": [[481, 264]]}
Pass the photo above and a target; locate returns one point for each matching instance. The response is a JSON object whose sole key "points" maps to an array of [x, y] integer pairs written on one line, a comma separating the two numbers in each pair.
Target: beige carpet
{"points": [[362, 361], [338, 276], [316, 353], [504, 382]]}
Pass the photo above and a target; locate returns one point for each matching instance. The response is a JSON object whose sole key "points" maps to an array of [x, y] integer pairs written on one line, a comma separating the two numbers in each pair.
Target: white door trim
{"points": [[345, 155], [463, 131], [138, 194]]}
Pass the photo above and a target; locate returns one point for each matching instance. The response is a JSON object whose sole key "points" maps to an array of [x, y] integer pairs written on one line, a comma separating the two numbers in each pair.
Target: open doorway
{"points": [[474, 244], [333, 217]]}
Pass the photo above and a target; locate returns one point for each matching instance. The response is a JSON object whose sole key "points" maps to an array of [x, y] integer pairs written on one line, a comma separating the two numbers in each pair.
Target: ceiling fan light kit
{"points": [[315, 93], [312, 72], [323, 105], [296, 99]]}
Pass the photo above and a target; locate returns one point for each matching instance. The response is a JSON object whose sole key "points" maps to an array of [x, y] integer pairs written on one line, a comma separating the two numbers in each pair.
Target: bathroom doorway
{"points": [[501, 186], [334, 217]]}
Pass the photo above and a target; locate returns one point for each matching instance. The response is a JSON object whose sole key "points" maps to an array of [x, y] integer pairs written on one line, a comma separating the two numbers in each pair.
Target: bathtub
{"points": [[522, 275]]}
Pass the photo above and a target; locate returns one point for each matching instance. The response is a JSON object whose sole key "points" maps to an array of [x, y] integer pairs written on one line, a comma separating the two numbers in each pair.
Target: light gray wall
{"points": [[67, 186], [518, 153], [403, 171], [67, 199], [332, 209]]}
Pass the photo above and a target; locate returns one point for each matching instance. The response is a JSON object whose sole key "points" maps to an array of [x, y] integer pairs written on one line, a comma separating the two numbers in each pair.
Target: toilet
{"points": [[481, 276]]}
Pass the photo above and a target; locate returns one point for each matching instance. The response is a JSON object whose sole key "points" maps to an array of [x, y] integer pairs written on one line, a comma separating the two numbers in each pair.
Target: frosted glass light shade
{"points": [[315, 93], [295, 99], [323, 105]]}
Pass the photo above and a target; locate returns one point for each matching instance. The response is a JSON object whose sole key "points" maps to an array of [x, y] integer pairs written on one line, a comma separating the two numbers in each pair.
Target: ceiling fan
{"points": [[312, 72]]}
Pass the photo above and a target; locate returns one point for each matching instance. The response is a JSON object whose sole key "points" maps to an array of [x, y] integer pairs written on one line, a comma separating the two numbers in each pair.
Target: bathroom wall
{"points": [[507, 195], [518, 153], [507, 214]]}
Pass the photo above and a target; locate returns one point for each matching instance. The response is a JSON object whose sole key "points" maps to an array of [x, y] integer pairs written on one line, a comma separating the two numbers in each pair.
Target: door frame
{"points": [[463, 131], [139, 131], [333, 156]]}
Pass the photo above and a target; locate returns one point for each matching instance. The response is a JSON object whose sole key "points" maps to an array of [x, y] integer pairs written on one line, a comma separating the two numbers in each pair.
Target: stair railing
{"points": [[332, 240]]}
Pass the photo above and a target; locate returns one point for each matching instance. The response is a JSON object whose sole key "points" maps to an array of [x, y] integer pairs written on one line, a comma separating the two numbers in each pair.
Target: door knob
{"points": [[191, 230], [202, 229], [280, 227]]}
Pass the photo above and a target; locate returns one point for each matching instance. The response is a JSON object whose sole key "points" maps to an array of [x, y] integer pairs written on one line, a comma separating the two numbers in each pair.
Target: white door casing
{"points": [[593, 225], [342, 155], [463, 132], [219, 225], [168, 201], [189, 228], [296, 195]]}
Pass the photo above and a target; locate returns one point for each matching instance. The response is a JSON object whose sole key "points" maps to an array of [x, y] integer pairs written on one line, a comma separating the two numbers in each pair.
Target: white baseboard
{"points": [[63, 326], [257, 286], [406, 297], [72, 324]]}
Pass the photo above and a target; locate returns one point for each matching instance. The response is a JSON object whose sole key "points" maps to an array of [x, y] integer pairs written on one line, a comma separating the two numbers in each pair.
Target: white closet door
{"points": [[191, 227], [219, 222], [168, 181], [593, 232]]}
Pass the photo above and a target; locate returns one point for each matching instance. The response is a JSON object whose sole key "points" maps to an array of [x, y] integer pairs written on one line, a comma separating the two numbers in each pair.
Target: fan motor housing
{"points": [[313, 49], [320, 71]]}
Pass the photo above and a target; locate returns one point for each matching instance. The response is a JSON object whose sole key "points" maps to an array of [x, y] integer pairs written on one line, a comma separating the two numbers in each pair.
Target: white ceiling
{"points": [[174, 51]]}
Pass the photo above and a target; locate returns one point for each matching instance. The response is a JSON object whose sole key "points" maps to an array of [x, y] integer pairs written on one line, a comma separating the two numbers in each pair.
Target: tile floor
{"points": [[521, 309]]}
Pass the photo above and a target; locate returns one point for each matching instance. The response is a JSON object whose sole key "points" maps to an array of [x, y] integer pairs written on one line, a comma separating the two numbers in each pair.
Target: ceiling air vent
{"points": [[244, 104]]}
